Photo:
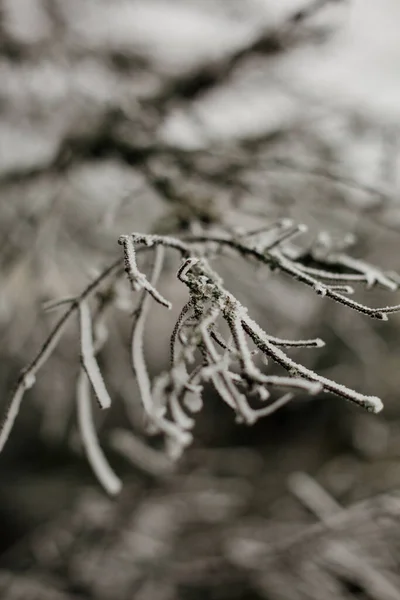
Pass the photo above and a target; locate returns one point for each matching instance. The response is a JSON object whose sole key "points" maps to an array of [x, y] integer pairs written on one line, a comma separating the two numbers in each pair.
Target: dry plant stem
{"points": [[311, 343], [138, 280], [372, 274], [137, 350], [251, 372], [244, 411], [191, 386], [27, 378], [88, 359], [178, 414], [90, 373], [139, 363], [387, 310], [225, 386], [274, 406], [249, 369], [280, 342], [176, 329], [54, 304], [211, 356], [206, 289], [289, 267], [331, 276], [276, 259], [296, 383], [221, 342], [344, 289], [258, 336], [129, 241], [97, 460], [371, 403]]}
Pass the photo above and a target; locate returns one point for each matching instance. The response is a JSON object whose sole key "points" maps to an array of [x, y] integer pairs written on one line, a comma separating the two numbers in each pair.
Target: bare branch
{"points": [[139, 363], [138, 280], [175, 395], [97, 460], [28, 375], [88, 359], [176, 329], [371, 403]]}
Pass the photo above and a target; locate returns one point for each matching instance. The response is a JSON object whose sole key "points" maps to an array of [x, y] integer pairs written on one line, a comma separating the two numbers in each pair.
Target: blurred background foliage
{"points": [[122, 115]]}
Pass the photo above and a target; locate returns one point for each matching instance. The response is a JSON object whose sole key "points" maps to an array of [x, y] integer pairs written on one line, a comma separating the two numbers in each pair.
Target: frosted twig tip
{"points": [[373, 404]]}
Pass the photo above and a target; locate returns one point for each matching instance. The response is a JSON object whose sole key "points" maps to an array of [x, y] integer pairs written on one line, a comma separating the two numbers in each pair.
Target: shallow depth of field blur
{"points": [[142, 115]]}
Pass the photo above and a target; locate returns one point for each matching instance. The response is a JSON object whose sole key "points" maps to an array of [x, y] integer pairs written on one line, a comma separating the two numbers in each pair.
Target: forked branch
{"points": [[200, 353]]}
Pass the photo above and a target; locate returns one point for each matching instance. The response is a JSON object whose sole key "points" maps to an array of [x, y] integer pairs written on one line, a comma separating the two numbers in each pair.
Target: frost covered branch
{"points": [[214, 340], [229, 364], [28, 375]]}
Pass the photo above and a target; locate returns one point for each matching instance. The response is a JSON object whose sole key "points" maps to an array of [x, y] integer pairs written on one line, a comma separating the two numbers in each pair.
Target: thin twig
{"points": [[176, 329], [276, 259], [88, 359], [104, 473], [371, 403], [139, 363], [138, 280], [27, 377]]}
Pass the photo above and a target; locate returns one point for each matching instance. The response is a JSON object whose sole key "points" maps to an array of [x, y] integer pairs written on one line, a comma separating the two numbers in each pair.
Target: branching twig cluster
{"points": [[201, 352]]}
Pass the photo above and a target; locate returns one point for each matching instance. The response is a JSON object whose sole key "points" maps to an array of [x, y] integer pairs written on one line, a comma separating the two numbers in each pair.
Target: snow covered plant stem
{"points": [[201, 352]]}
